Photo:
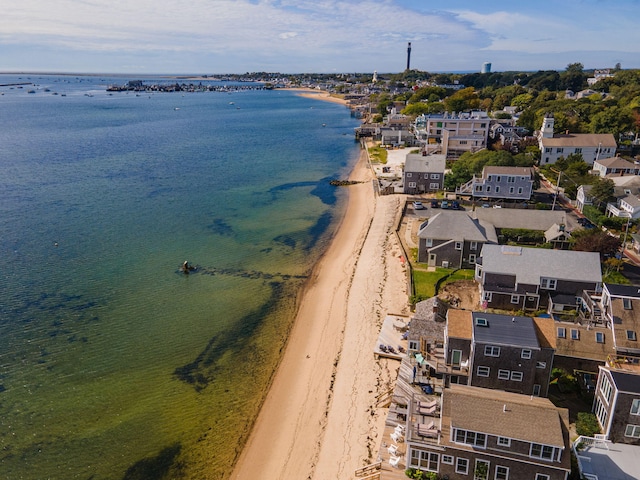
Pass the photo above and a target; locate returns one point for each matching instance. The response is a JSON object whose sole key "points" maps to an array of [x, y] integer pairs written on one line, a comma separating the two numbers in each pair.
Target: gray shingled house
{"points": [[452, 239], [529, 279], [503, 352], [423, 173]]}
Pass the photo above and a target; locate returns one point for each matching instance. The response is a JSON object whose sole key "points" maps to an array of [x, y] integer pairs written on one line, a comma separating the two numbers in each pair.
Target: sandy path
{"points": [[318, 419]]}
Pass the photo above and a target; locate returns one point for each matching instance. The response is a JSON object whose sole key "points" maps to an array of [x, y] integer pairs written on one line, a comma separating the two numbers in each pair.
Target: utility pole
{"points": [[553, 207]]}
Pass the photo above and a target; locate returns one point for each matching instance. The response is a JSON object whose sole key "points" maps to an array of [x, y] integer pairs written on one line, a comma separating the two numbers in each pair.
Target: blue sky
{"points": [[296, 36]]}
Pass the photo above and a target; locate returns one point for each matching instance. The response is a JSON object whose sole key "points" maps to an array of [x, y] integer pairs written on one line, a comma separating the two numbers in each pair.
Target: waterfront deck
{"points": [[391, 338]]}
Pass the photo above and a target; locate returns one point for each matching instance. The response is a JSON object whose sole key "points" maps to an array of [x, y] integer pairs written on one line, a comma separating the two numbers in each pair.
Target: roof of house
{"points": [[556, 231], [626, 322], [494, 412], [516, 171], [615, 162], [458, 225], [459, 324], [619, 290], [604, 140], [505, 330], [546, 331], [529, 219], [626, 381], [585, 346], [425, 163], [531, 264]]}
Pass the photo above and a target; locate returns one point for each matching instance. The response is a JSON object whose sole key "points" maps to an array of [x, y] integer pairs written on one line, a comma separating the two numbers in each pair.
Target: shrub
{"points": [[587, 424]]}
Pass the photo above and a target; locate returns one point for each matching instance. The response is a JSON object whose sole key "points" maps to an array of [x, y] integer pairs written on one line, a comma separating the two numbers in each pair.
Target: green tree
{"points": [[595, 240], [602, 190], [462, 100]]}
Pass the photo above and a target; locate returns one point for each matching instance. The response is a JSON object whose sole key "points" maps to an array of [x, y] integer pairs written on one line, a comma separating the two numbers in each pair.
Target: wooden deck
{"points": [[393, 328]]}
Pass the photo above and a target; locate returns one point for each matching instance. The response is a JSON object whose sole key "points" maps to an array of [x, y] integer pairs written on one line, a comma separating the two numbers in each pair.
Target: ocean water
{"points": [[113, 364]]}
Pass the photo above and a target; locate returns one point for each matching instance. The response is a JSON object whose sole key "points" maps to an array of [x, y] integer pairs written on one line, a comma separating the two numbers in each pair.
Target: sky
{"points": [[315, 36]]}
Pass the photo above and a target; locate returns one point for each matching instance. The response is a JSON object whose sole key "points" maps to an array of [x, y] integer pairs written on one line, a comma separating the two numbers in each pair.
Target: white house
{"points": [[592, 146]]}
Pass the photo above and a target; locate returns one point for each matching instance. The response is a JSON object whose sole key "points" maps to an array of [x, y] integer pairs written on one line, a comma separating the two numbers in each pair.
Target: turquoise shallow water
{"points": [[112, 363]]}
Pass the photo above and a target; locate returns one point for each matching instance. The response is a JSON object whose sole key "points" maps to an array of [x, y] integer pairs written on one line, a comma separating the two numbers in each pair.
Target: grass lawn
{"points": [[425, 282], [378, 155]]}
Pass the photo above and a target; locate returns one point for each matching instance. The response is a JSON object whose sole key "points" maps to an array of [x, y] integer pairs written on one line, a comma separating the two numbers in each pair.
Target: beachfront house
{"points": [[591, 146], [503, 352], [423, 173], [452, 239], [530, 279], [489, 434]]}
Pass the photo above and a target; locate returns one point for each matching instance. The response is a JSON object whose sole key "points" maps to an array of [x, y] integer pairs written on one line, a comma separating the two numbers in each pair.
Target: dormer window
{"points": [[548, 283]]}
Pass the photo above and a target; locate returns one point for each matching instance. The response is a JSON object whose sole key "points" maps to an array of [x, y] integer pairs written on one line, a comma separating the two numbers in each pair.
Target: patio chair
{"points": [[395, 461], [393, 450], [397, 437]]}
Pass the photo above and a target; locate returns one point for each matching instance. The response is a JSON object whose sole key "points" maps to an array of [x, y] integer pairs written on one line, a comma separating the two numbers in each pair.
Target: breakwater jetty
{"points": [[140, 86]]}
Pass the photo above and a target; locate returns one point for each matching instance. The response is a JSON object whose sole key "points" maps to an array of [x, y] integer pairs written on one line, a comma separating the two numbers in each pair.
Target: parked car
{"points": [[445, 204], [585, 222], [455, 205], [435, 203], [418, 206]]}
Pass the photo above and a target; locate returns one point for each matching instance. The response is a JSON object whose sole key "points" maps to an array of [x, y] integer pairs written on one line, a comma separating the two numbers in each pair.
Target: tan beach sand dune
{"points": [[319, 419]]}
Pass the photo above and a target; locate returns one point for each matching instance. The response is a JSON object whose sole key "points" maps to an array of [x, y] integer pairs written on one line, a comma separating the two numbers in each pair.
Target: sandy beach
{"points": [[320, 418]]}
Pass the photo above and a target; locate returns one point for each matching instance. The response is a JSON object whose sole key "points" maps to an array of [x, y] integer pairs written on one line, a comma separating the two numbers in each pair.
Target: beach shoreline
{"points": [[319, 418]]}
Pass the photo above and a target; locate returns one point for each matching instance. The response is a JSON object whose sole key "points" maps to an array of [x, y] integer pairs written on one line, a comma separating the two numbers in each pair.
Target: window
{"points": [[635, 407], [541, 451], [472, 258], [599, 337], [559, 150], [548, 283], [473, 246], [516, 376], [632, 431], [414, 345], [488, 188], [562, 332], [601, 412], [577, 150], [502, 473], [435, 176], [434, 186], [424, 460], [470, 438], [483, 371], [504, 374], [526, 353], [547, 150], [512, 189], [515, 299], [447, 459], [458, 245], [486, 296], [519, 190], [575, 334], [409, 174], [481, 322], [498, 179], [536, 390], [481, 471], [626, 303], [511, 179], [497, 189], [504, 441], [541, 364], [429, 242], [605, 388], [541, 476], [462, 466], [631, 335], [412, 184], [478, 188], [491, 351]]}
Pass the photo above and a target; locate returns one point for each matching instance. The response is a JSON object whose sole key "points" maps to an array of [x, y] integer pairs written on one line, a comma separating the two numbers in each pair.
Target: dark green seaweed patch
{"points": [[203, 370], [158, 467], [221, 227]]}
